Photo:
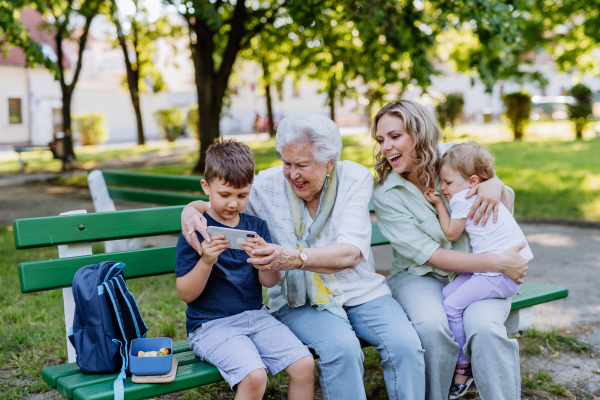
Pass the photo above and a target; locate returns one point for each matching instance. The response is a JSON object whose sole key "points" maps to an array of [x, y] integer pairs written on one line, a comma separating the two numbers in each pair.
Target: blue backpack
{"points": [[106, 320]]}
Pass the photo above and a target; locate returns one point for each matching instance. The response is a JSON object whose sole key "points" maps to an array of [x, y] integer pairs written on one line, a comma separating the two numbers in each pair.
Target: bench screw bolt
{"points": [[81, 227]]}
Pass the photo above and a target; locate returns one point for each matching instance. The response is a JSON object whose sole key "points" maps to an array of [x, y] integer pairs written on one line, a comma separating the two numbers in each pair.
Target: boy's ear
{"points": [[205, 187], [473, 180]]}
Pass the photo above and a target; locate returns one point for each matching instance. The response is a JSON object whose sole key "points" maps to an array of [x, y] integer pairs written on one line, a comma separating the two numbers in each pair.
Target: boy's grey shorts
{"points": [[242, 343]]}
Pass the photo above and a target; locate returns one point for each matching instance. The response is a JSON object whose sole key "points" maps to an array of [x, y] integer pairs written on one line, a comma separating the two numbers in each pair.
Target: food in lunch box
{"points": [[162, 352]]}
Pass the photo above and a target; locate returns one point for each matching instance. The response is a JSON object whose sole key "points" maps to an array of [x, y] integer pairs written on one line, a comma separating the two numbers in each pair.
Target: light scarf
{"points": [[297, 285]]}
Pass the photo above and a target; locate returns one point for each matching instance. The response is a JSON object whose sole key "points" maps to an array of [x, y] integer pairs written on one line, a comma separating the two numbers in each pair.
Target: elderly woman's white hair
{"points": [[317, 129]]}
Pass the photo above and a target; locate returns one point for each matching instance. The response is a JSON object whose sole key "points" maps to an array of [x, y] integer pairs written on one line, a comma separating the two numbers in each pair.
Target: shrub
{"points": [[581, 110], [192, 118], [518, 107], [450, 109], [170, 120], [90, 128]]}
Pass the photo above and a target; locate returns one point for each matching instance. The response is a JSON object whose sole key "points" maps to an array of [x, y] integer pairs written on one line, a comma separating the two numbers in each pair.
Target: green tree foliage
{"points": [[90, 128], [499, 42], [139, 48], [518, 107], [170, 121], [581, 110], [14, 34]]}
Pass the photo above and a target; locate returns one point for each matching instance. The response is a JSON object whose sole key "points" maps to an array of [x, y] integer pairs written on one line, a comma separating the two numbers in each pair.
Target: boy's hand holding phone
{"points": [[212, 250]]}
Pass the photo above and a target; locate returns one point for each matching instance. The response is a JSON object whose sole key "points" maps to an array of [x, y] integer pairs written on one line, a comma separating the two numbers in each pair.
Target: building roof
{"points": [[32, 20]]}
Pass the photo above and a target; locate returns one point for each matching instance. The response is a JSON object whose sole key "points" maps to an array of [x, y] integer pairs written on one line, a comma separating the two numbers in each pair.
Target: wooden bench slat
{"points": [[68, 384], [50, 375], [114, 225], [156, 181], [35, 276], [532, 294], [155, 196], [188, 376]]}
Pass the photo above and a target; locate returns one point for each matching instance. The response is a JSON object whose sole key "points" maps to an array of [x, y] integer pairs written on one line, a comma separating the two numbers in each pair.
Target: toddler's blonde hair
{"points": [[468, 159]]}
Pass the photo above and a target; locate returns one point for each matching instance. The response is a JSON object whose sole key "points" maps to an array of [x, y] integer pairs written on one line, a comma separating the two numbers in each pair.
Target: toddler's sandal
{"points": [[458, 390]]}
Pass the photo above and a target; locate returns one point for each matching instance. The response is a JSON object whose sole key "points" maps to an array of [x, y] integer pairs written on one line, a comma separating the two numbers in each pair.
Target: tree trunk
{"points": [[133, 76], [66, 115], [209, 106], [331, 94], [267, 80]]}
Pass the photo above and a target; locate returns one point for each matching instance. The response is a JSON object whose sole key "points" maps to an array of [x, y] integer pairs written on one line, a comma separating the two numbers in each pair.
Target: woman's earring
{"points": [[328, 174]]}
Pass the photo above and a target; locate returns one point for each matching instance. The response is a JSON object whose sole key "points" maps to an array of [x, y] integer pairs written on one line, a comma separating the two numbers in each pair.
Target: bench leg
{"points": [[519, 320], [72, 250]]}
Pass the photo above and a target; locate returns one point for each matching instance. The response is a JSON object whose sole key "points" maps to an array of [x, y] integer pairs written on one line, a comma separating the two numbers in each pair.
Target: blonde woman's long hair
{"points": [[426, 133]]}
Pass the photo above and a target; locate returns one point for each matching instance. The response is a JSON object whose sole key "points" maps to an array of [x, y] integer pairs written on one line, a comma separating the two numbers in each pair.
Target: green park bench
{"points": [[73, 233], [159, 189]]}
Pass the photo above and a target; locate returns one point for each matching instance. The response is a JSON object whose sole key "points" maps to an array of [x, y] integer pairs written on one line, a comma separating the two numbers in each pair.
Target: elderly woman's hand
{"points": [[272, 257], [489, 194], [512, 264], [192, 220]]}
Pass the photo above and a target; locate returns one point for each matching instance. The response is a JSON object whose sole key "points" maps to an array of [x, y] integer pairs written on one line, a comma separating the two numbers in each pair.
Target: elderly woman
{"points": [[425, 261], [316, 208]]}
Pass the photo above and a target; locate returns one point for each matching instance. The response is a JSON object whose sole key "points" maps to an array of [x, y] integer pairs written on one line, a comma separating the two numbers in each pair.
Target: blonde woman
{"points": [[425, 260]]}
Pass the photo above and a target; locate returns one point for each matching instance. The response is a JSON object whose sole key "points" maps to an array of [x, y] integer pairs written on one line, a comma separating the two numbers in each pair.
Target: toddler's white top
{"points": [[493, 238]]}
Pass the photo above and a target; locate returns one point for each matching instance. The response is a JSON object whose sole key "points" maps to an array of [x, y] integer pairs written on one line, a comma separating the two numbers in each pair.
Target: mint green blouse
{"points": [[411, 224]]}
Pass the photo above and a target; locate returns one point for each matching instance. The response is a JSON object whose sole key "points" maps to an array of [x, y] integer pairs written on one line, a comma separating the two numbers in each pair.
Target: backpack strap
{"points": [[115, 270], [134, 313], [119, 389]]}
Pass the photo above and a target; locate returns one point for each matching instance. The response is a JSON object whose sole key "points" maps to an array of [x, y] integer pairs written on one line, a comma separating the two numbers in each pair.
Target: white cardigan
{"points": [[349, 222]]}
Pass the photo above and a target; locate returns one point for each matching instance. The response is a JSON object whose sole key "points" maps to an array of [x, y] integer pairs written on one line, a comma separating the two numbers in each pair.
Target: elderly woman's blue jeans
{"points": [[380, 322]]}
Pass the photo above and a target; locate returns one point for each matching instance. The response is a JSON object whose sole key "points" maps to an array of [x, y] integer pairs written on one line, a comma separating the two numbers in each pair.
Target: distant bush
{"points": [[90, 128], [581, 110], [449, 110], [518, 107], [192, 118], [170, 120]]}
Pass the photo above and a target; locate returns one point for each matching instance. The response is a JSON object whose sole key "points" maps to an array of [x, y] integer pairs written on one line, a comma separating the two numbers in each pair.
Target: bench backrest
{"points": [[163, 189], [37, 276]]}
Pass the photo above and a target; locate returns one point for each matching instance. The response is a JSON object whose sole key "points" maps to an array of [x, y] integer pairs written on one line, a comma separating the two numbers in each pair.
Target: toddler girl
{"points": [[462, 167]]}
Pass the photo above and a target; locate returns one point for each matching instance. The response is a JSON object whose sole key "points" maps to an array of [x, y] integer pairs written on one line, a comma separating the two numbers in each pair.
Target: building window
{"points": [[14, 111]]}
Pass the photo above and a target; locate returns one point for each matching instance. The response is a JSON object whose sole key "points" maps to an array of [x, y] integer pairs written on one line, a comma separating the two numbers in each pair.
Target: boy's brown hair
{"points": [[230, 161], [468, 159]]}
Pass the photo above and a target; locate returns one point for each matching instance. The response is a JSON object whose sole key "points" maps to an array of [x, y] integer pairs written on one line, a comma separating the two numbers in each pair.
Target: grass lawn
{"points": [[87, 156]]}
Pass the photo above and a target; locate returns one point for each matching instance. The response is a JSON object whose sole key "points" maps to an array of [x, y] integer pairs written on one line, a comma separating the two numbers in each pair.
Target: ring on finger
{"points": [[268, 267], [190, 232]]}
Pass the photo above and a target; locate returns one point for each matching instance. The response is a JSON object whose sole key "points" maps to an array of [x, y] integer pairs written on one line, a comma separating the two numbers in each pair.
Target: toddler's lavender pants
{"points": [[465, 290]]}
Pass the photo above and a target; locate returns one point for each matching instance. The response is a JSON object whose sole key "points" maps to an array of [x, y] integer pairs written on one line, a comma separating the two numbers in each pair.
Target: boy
{"points": [[227, 324], [461, 168]]}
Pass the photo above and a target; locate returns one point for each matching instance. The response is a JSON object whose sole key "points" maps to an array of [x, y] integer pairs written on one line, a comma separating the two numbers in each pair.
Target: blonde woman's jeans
{"points": [[494, 357], [380, 322]]}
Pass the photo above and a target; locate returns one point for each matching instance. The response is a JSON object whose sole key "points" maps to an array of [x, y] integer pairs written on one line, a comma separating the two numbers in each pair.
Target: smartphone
{"points": [[234, 236]]}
